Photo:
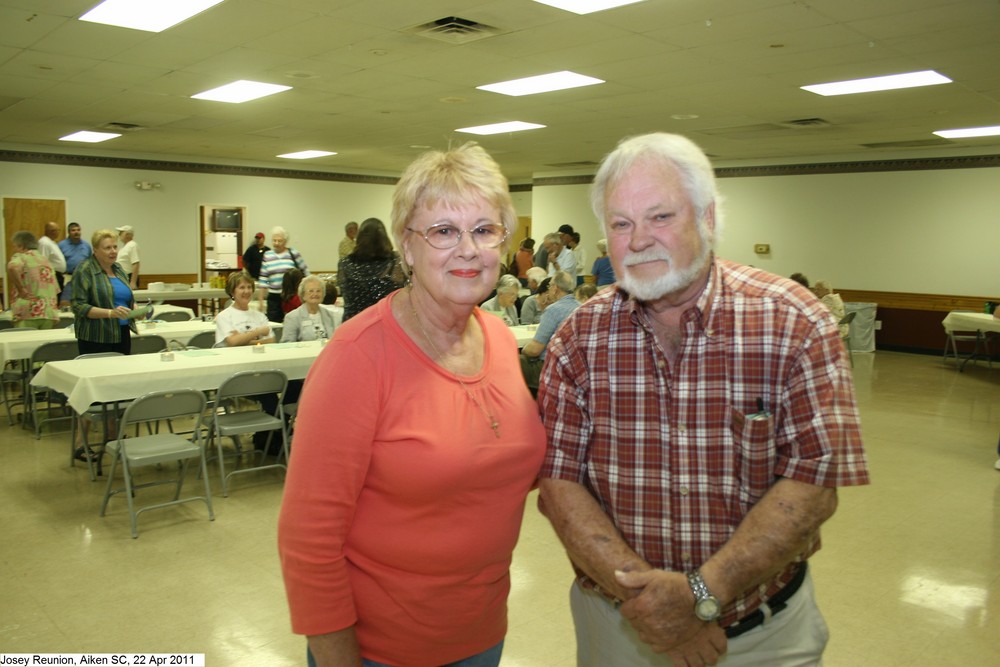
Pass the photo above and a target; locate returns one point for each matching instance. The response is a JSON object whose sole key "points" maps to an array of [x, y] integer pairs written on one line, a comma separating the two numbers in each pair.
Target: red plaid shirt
{"points": [[673, 454]]}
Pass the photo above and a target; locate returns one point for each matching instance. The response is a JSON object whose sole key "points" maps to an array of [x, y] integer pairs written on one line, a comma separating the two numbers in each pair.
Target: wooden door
{"points": [[29, 215]]}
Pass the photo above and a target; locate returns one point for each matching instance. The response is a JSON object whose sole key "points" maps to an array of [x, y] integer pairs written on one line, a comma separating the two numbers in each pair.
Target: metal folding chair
{"points": [[232, 423], [157, 449]]}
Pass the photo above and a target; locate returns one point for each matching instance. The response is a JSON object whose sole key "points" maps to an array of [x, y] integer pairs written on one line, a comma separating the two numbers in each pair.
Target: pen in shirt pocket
{"points": [[762, 412]]}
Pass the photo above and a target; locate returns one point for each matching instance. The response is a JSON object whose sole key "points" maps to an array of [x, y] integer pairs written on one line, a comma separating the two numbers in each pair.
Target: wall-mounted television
{"points": [[227, 220]]}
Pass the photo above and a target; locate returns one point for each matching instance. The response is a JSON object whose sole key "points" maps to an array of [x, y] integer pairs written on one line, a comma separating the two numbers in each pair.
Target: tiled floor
{"points": [[909, 573]]}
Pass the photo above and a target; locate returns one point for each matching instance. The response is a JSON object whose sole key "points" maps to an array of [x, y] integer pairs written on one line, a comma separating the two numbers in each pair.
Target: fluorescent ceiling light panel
{"points": [[970, 132], [543, 83], [500, 128], [241, 91], [148, 15], [89, 137], [891, 82], [305, 155], [586, 6]]}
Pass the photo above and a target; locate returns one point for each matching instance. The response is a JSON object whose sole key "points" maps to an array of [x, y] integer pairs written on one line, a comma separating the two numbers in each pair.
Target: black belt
{"points": [[775, 604]]}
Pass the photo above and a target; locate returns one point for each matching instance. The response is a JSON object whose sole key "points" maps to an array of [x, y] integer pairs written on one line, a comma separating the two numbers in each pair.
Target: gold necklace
{"points": [[494, 424]]}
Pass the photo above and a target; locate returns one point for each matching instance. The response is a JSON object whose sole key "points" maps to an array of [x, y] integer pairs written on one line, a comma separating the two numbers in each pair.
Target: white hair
{"points": [[685, 155], [280, 231]]}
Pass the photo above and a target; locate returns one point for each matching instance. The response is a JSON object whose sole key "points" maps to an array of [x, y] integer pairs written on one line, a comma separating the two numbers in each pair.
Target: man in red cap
{"points": [[254, 255]]}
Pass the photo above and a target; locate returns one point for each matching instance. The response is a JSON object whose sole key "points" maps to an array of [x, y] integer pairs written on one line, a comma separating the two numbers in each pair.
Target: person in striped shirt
{"points": [[279, 259]]}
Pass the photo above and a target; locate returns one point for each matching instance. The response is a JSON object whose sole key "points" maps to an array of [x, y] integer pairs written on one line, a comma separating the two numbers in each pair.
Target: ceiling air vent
{"points": [[803, 123], [454, 30], [121, 127]]}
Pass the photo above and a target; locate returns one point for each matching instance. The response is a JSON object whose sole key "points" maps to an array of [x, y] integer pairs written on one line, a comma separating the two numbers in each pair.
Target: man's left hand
{"points": [[663, 611]]}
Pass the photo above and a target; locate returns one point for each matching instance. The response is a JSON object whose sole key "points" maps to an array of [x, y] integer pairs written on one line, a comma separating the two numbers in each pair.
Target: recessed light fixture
{"points": [[148, 15], [684, 116], [89, 137], [543, 83], [969, 132], [891, 82], [241, 91], [500, 128], [586, 6], [305, 155]]}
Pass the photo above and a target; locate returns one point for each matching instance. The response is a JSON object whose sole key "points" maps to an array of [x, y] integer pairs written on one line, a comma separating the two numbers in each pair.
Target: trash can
{"points": [[862, 331]]}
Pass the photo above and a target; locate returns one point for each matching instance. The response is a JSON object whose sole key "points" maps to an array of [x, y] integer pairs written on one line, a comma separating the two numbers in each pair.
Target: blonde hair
{"points": [[100, 235], [456, 177]]}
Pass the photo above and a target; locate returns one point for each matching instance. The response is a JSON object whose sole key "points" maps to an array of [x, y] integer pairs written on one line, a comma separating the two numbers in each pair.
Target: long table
{"points": [[21, 343], [66, 317], [981, 323], [113, 379]]}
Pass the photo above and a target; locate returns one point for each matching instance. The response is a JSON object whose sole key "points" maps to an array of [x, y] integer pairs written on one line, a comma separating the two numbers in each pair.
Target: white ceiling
{"points": [[375, 93]]}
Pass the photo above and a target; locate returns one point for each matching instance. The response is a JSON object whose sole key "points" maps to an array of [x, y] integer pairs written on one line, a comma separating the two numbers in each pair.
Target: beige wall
{"points": [[915, 231]]}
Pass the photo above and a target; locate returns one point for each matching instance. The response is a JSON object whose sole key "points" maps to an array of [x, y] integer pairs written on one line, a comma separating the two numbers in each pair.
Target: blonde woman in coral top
{"points": [[415, 446]]}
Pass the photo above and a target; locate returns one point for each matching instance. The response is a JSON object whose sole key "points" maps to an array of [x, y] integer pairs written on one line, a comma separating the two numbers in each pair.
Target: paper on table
{"points": [[198, 353]]}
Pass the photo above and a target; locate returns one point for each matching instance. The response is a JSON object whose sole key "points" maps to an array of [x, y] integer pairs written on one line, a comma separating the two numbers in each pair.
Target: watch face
{"points": [[707, 609]]}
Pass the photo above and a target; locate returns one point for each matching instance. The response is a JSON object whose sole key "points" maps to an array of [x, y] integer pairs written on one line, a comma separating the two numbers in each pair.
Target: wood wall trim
{"points": [[914, 301]]}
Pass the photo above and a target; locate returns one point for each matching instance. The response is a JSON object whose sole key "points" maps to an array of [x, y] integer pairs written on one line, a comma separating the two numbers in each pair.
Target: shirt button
{"points": [[709, 332], [686, 557], [682, 428], [660, 363], [683, 490]]}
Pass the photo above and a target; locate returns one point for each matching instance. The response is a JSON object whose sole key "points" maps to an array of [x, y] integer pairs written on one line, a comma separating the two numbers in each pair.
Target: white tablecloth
{"points": [[64, 317], [111, 379], [19, 344], [958, 320], [523, 333], [141, 295]]}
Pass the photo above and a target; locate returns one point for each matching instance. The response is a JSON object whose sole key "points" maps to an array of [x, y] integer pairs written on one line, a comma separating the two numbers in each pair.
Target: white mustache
{"points": [[647, 256]]}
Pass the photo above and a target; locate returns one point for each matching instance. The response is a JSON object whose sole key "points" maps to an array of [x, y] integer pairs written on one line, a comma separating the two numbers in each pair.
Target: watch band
{"points": [[706, 606]]}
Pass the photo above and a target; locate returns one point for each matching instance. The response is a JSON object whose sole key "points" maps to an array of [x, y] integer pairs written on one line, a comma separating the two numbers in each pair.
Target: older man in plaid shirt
{"points": [[701, 416]]}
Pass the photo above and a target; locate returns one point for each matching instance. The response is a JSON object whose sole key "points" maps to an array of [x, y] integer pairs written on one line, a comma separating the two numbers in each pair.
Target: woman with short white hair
{"points": [[504, 303], [310, 321], [279, 259]]}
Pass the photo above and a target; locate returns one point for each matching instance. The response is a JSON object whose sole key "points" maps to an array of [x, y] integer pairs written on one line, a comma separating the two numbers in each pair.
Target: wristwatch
{"points": [[706, 605]]}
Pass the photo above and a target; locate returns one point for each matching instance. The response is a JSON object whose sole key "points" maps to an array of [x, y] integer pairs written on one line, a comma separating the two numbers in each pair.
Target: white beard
{"points": [[674, 280]]}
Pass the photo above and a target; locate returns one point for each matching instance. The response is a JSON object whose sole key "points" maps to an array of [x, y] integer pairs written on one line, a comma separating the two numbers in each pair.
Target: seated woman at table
{"points": [[32, 281], [505, 302], [310, 321], [239, 324], [416, 443], [102, 299], [833, 302], [534, 305]]}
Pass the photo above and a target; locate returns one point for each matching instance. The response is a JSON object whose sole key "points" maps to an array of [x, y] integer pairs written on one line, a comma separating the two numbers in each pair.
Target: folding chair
{"points": [[36, 397], [203, 340], [231, 423], [151, 450], [172, 316], [148, 344]]}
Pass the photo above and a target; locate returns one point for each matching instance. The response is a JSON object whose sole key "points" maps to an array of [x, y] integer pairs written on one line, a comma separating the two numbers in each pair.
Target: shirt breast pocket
{"points": [[755, 452]]}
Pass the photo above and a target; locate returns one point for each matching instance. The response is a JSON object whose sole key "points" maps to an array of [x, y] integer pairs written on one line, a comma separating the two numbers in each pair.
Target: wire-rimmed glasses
{"points": [[443, 235]]}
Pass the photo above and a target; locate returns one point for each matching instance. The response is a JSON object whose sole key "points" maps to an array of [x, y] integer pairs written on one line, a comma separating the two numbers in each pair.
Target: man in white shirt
{"points": [[561, 258], [128, 255], [48, 248]]}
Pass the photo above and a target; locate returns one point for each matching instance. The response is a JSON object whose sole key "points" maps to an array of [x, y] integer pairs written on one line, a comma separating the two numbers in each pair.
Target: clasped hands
{"points": [[661, 609]]}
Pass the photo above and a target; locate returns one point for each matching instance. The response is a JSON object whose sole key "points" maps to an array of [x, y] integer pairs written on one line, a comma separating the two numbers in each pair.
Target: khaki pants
{"points": [[795, 637]]}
